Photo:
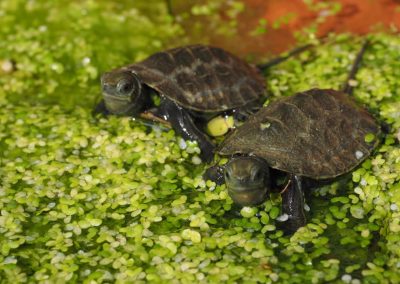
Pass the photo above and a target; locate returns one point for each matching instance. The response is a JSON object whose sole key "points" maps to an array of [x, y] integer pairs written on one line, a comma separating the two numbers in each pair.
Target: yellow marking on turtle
{"points": [[189, 96], [265, 125], [221, 95], [219, 125]]}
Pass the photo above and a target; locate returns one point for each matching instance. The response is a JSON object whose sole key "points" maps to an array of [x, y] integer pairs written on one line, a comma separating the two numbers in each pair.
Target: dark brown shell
{"points": [[201, 78], [318, 134]]}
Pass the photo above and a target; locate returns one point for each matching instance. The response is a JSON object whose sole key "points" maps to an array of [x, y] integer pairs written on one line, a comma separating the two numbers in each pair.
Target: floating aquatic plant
{"points": [[94, 200]]}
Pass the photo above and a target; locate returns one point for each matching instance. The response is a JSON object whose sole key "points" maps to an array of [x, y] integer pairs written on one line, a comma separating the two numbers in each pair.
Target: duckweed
{"points": [[92, 200], [369, 137]]}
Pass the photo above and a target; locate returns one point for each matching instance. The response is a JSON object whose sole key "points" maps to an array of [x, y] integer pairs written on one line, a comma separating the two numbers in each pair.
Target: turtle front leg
{"points": [[100, 109], [293, 205], [216, 174], [183, 124]]}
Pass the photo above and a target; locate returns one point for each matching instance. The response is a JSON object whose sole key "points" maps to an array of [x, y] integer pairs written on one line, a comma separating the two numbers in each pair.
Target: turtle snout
{"points": [[244, 172], [245, 180], [107, 88], [234, 174], [107, 83]]}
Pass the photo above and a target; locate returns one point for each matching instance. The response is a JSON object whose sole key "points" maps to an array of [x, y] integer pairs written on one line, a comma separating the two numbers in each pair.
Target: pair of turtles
{"points": [[317, 134], [194, 84]]}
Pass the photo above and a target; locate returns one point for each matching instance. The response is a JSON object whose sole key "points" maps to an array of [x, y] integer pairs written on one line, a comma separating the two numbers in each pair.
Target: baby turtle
{"points": [[194, 83], [318, 134]]}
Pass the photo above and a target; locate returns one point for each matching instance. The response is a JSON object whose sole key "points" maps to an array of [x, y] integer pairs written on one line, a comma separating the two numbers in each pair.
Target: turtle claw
{"points": [[291, 225]]}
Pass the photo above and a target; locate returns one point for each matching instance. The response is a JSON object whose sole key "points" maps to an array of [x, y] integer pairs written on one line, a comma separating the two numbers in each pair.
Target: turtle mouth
{"points": [[116, 105], [249, 196], [115, 98]]}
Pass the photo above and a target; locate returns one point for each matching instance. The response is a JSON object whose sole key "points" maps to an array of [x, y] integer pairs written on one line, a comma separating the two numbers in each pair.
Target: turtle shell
{"points": [[318, 134], [201, 78]]}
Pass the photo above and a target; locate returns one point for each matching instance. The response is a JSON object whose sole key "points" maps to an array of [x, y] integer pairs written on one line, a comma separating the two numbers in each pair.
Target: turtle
{"points": [[194, 83], [312, 136]]}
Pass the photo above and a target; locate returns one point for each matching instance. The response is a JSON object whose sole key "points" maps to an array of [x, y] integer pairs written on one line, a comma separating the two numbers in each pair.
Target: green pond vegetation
{"points": [[95, 200]]}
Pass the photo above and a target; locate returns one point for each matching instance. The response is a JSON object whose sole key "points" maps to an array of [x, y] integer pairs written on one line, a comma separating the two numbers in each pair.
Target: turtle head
{"points": [[247, 180], [122, 92]]}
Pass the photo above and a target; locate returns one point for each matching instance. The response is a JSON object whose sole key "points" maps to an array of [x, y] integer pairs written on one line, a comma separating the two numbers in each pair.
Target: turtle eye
{"points": [[125, 87], [257, 174]]}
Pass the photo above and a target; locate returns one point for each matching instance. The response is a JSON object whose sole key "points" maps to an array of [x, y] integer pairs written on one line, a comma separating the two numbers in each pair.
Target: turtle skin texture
{"points": [[318, 134], [201, 78]]}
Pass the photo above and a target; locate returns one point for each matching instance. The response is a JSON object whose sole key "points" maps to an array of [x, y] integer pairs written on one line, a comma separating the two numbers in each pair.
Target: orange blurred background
{"points": [[257, 34]]}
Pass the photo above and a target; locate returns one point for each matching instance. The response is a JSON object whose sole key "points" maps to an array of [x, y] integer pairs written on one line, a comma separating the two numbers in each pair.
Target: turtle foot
{"points": [[207, 151], [215, 174], [100, 109]]}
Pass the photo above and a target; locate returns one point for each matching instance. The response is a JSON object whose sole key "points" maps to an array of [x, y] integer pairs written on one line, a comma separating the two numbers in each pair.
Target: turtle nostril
{"points": [[106, 88], [244, 178]]}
